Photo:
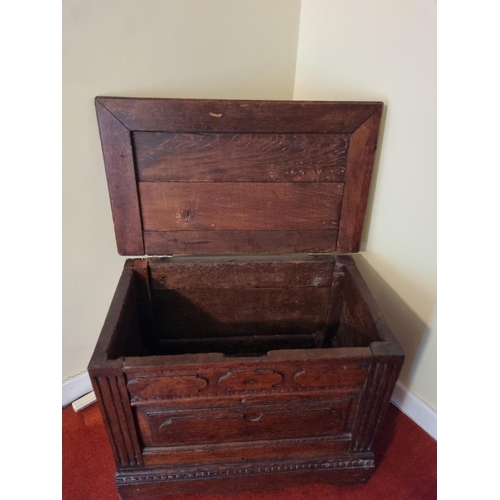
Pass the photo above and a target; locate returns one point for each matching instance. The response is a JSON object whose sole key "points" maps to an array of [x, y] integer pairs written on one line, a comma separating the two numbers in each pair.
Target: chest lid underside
{"points": [[210, 177]]}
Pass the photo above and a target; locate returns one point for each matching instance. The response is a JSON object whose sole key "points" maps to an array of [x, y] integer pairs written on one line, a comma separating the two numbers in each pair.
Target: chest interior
{"points": [[243, 306], [243, 205]]}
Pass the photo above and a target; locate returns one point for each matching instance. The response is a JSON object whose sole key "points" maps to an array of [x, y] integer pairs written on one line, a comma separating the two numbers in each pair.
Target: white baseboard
{"points": [[405, 400], [411, 405], [75, 388]]}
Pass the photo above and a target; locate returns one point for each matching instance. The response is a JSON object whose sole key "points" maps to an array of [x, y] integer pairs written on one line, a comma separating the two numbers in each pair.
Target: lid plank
{"points": [[240, 157], [226, 206], [238, 242]]}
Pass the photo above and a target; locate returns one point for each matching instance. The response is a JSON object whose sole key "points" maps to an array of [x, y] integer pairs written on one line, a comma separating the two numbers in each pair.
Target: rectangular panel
{"points": [[230, 242], [238, 168], [238, 452], [239, 206], [217, 275], [208, 312], [169, 427], [240, 157]]}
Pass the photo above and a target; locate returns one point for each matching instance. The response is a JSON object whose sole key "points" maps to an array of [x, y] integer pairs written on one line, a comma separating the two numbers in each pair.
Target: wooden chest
{"points": [[242, 349]]}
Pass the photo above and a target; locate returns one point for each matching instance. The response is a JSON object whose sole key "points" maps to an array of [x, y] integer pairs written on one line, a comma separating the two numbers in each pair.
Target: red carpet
{"points": [[406, 469]]}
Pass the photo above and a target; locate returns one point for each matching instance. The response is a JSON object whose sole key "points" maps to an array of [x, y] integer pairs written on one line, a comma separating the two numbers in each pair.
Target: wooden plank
{"points": [[116, 329], [285, 361], [215, 275], [242, 345], [240, 157], [244, 258], [360, 159], [333, 306], [334, 376], [238, 452], [230, 242], [120, 173], [272, 421], [229, 206], [358, 297], [208, 115], [174, 386], [359, 325], [239, 311], [254, 475], [145, 312]]}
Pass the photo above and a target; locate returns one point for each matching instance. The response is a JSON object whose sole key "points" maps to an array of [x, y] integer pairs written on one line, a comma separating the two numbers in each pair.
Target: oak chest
{"points": [[242, 349]]}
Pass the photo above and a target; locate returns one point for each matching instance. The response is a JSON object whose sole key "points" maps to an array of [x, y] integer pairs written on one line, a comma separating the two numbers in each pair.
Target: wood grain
{"points": [[209, 115], [333, 376], [204, 362], [240, 157], [238, 242], [227, 206], [120, 173], [261, 311], [154, 483], [360, 159], [114, 404], [241, 345], [169, 427], [238, 452], [174, 386], [212, 366], [299, 274], [119, 331], [245, 162], [250, 380]]}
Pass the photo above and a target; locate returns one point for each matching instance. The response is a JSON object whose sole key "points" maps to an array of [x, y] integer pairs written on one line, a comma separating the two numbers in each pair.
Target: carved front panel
{"points": [[161, 427], [285, 379], [342, 375], [250, 380], [167, 386]]}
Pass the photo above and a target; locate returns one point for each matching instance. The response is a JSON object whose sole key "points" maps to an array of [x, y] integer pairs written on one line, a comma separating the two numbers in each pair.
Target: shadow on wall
{"points": [[410, 330]]}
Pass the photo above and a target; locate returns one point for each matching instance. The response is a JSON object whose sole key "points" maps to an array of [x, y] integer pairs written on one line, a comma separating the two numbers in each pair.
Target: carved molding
{"points": [[252, 444], [334, 376], [250, 380], [375, 402], [168, 386], [249, 393], [243, 471], [113, 400]]}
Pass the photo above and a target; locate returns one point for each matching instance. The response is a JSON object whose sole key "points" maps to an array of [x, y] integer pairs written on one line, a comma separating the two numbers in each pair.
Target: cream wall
{"points": [[386, 50], [155, 48]]}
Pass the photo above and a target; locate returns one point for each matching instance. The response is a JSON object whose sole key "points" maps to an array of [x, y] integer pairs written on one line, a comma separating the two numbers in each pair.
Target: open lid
{"points": [[189, 176]]}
